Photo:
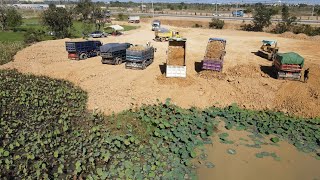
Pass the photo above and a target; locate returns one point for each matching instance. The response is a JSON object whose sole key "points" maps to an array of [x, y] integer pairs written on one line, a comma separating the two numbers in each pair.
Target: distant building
{"points": [[60, 6], [31, 6], [35, 6], [33, 1]]}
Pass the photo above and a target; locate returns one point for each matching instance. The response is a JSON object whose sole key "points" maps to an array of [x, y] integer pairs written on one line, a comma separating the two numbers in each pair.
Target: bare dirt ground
{"points": [[246, 82]]}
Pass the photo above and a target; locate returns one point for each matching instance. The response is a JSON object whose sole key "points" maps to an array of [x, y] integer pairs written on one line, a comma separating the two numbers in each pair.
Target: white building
{"points": [[31, 6]]}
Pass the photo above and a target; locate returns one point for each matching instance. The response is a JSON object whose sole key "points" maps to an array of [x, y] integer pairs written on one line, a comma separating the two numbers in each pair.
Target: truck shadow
{"points": [[255, 53], [162, 68], [197, 66], [269, 71]]}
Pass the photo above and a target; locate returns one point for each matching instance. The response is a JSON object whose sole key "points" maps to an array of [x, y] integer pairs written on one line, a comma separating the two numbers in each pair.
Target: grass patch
{"points": [[8, 50], [129, 28], [11, 36]]}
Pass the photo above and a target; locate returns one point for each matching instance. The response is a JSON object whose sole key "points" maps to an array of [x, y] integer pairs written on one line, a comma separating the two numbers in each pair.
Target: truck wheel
{"points": [[144, 65], [83, 56], [118, 60]]}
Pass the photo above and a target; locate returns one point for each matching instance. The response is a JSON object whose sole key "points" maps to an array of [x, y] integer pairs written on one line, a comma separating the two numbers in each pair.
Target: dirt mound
{"points": [[247, 71], [214, 50], [179, 23], [288, 35], [302, 36], [316, 38], [303, 98], [183, 82], [291, 35], [176, 56], [209, 75]]}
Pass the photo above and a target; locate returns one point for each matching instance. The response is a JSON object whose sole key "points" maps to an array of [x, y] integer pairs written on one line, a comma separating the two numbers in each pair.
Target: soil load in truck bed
{"points": [[137, 48], [215, 49], [176, 56]]}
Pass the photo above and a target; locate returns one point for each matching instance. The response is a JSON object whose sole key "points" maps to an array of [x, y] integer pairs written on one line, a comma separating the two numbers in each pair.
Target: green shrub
{"points": [[216, 23], [247, 27], [305, 28], [34, 35], [122, 17], [8, 50], [197, 25], [280, 28]]}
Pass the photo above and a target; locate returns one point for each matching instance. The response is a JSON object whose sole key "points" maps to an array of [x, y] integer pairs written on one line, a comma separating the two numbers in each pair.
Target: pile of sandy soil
{"points": [[175, 56], [247, 71], [316, 38], [209, 75], [288, 35], [300, 98], [181, 82], [137, 48], [302, 36], [186, 24], [215, 49], [299, 36]]}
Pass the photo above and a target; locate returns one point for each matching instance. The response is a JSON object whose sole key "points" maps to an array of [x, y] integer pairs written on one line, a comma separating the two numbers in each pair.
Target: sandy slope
{"points": [[114, 88]]}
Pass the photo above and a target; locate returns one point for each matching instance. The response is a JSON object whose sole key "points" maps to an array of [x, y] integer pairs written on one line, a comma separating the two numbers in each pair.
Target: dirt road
{"points": [[246, 81]]}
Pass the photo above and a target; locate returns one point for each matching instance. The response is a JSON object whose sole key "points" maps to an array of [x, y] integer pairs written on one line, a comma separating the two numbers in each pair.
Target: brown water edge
{"points": [[244, 165]]}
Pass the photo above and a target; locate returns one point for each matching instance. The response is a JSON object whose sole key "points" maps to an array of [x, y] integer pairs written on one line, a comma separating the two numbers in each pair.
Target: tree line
{"points": [[57, 20]]}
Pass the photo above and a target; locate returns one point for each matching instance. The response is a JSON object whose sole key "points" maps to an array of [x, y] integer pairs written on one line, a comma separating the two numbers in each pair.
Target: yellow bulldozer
{"points": [[268, 49], [163, 34]]}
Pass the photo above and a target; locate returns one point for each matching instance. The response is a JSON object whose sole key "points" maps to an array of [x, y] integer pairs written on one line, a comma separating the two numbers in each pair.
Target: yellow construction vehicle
{"points": [[163, 34], [268, 49]]}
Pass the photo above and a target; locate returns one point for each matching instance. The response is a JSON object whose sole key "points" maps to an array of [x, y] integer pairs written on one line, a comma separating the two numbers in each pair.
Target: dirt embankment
{"points": [[246, 78]]}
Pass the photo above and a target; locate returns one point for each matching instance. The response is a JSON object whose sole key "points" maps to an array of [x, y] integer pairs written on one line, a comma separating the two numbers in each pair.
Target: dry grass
{"points": [[8, 50]]}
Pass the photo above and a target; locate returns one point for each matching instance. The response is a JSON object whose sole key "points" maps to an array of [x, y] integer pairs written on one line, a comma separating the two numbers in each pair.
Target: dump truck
{"points": [[214, 55], [288, 65], [134, 19], [139, 56], [269, 49], [114, 53], [163, 34], [156, 25], [176, 59], [79, 50]]}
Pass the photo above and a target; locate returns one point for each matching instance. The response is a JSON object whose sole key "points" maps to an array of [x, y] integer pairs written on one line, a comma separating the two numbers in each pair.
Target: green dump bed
{"points": [[289, 62]]}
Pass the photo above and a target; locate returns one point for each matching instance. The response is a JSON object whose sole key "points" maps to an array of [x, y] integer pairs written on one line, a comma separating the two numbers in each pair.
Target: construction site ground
{"points": [[246, 80]]}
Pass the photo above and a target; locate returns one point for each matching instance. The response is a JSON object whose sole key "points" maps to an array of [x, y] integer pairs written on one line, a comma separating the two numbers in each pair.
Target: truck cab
{"points": [[156, 25], [238, 13]]}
